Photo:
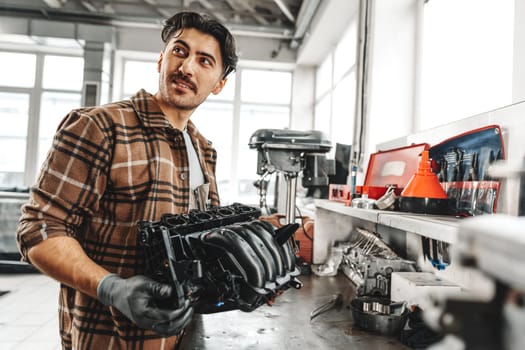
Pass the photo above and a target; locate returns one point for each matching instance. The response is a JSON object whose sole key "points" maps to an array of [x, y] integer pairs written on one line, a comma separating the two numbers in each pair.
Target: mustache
{"points": [[187, 80]]}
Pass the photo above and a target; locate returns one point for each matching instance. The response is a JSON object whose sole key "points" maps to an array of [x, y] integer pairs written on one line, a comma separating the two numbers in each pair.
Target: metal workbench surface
{"points": [[286, 324]]}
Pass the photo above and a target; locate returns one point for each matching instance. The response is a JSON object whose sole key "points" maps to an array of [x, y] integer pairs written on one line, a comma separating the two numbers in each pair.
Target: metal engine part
{"points": [[369, 262], [210, 257], [379, 315]]}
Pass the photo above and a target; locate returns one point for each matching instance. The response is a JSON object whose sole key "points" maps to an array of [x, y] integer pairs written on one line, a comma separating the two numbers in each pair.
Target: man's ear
{"points": [[159, 61], [219, 86]]}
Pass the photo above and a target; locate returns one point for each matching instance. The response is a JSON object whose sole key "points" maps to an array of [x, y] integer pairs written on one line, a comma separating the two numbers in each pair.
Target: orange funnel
{"points": [[424, 183]]}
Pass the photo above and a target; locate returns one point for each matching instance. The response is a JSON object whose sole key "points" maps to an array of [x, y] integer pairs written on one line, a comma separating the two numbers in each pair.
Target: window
{"points": [[323, 77], [63, 73], [335, 90], [214, 121], [10, 72], [343, 110], [33, 101], [265, 104], [264, 86], [323, 114], [14, 115], [140, 75], [345, 53], [467, 63]]}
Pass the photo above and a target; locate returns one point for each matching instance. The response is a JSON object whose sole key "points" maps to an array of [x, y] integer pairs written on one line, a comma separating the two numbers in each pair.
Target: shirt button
{"points": [[183, 176]]}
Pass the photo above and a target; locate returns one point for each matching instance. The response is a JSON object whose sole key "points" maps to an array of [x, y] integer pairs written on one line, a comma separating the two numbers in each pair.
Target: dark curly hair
{"points": [[209, 26]]}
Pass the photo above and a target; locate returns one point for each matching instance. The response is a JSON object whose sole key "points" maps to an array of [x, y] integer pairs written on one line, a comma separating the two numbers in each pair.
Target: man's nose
{"points": [[187, 66]]}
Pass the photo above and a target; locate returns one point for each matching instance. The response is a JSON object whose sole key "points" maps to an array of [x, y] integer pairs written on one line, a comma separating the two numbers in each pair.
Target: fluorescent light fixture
{"points": [[56, 4]]}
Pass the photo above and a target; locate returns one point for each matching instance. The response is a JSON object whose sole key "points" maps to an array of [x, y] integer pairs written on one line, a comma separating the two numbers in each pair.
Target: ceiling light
{"points": [[55, 3]]}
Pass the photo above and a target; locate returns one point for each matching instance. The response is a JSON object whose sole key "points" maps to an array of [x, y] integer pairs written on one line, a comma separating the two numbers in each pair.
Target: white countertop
{"points": [[443, 228]]}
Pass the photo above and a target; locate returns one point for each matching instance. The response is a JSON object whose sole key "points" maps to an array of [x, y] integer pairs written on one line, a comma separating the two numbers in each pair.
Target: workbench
{"points": [[286, 324]]}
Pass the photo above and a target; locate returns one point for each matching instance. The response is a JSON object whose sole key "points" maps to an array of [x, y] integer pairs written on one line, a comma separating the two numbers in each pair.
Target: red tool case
{"points": [[393, 167]]}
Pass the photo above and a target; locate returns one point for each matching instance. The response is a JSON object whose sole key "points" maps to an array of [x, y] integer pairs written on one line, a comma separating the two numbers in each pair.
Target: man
{"points": [[111, 166]]}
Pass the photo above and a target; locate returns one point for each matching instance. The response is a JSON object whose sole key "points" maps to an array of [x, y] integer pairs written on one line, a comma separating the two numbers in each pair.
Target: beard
{"points": [[180, 100]]}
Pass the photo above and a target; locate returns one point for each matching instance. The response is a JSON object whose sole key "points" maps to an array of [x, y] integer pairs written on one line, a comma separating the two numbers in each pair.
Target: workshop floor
{"points": [[28, 312], [28, 320]]}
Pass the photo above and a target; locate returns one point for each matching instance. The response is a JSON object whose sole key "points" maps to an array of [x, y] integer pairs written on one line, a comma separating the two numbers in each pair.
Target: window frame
{"points": [[35, 93]]}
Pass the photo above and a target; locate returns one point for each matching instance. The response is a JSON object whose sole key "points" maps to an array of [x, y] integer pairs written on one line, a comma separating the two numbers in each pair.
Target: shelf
{"points": [[340, 208], [443, 228]]}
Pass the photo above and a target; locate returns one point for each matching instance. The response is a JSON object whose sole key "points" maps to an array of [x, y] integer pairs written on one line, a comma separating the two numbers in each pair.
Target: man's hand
{"points": [[145, 302]]}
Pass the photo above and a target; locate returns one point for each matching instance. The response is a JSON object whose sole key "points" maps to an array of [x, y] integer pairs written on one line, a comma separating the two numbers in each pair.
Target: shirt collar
{"points": [[148, 110], [150, 114]]}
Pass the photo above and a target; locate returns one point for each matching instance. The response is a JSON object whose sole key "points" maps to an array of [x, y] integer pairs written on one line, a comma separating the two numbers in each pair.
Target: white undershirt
{"points": [[196, 176]]}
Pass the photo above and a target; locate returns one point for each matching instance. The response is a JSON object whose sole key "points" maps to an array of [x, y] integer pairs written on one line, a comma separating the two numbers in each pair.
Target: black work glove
{"points": [[145, 302]]}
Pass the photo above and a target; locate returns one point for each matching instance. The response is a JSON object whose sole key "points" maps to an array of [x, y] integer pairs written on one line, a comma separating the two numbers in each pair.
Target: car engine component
{"points": [[369, 262], [221, 259]]}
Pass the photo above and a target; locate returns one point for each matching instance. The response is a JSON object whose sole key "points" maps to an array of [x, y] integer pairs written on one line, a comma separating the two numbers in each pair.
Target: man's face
{"points": [[190, 68]]}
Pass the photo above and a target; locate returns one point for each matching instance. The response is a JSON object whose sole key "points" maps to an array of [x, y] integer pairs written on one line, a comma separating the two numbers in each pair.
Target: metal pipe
{"points": [[363, 53], [291, 187], [284, 9]]}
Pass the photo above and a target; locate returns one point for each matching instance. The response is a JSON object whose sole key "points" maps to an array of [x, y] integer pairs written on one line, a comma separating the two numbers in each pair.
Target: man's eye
{"points": [[179, 50], [206, 61]]}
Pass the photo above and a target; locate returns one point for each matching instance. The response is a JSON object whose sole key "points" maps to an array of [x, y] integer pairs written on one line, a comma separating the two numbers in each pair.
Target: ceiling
{"points": [[280, 19]]}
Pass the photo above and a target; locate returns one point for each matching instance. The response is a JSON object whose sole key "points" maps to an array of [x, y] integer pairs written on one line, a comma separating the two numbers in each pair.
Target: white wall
{"points": [[518, 82]]}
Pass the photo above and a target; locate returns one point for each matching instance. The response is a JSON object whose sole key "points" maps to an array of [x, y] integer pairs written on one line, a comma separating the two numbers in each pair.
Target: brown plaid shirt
{"points": [[110, 167]]}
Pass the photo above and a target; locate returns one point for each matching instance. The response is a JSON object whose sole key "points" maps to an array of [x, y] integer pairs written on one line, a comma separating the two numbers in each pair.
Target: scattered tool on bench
{"points": [[335, 302]]}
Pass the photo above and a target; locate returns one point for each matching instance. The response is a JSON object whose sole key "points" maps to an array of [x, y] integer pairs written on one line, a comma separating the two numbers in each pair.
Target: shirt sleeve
{"points": [[71, 181]]}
